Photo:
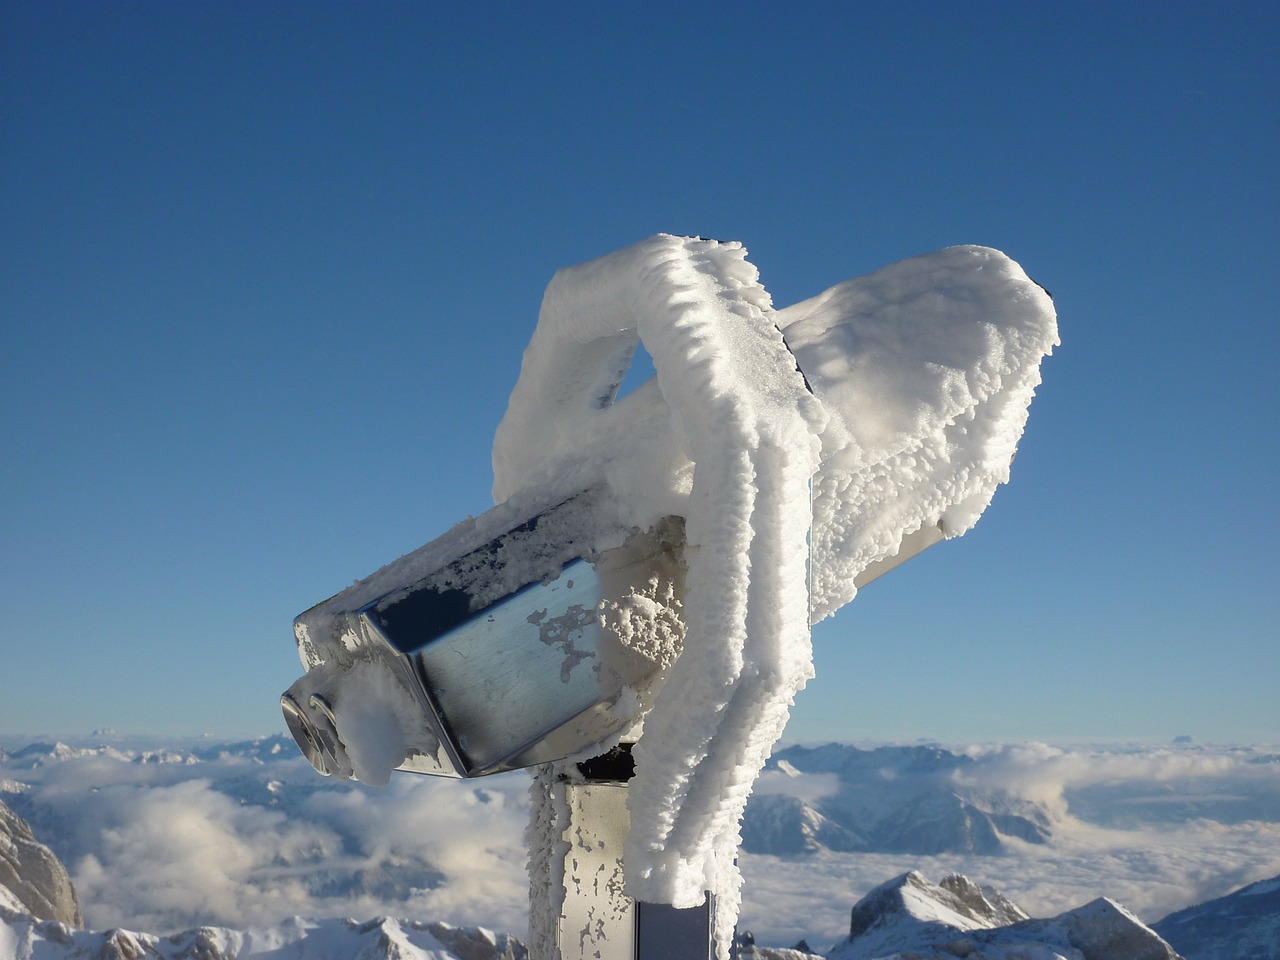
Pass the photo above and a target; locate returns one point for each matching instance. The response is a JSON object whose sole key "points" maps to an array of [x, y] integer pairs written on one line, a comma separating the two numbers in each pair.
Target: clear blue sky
{"points": [[268, 270]]}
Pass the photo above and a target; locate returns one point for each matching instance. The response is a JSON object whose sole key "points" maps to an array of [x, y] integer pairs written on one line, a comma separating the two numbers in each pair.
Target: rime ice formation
{"points": [[913, 395], [927, 368], [739, 411]]}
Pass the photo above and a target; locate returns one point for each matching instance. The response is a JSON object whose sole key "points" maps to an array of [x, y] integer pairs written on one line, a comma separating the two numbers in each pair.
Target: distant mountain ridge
{"points": [[888, 800], [1244, 925], [45, 752]]}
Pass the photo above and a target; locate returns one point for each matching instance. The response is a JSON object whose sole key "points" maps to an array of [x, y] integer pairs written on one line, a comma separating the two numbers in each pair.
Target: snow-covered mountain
{"points": [[32, 876], [912, 799], [23, 937], [44, 754], [1244, 925], [910, 918]]}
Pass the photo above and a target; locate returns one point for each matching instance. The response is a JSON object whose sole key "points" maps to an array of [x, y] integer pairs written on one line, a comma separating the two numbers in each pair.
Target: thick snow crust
{"points": [[926, 368], [909, 397]]}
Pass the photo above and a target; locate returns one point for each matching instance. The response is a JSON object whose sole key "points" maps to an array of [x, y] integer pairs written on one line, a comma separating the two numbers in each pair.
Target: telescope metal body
{"points": [[503, 648], [501, 645]]}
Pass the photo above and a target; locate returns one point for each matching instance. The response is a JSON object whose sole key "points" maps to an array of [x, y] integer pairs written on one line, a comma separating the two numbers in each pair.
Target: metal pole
{"points": [[597, 920]]}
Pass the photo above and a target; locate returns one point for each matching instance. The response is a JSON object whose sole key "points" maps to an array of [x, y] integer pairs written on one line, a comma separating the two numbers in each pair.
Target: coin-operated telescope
{"points": [[657, 562]]}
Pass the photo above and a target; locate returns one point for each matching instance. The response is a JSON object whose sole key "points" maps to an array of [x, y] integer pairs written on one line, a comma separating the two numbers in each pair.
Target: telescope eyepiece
{"points": [[316, 733]]}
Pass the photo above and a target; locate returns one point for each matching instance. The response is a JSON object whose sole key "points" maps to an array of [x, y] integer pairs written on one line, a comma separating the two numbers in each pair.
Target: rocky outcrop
{"points": [[909, 917], [1244, 925], [30, 871], [1101, 930], [985, 905], [910, 910], [477, 943]]}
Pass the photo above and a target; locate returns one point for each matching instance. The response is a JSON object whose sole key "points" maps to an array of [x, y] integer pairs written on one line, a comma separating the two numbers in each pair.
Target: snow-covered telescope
{"points": [[779, 460], [654, 565]]}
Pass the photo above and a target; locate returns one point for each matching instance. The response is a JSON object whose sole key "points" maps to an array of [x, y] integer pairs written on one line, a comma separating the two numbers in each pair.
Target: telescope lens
{"points": [[304, 733]]}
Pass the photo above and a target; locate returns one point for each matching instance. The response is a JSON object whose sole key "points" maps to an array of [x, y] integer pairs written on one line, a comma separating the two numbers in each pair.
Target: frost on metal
{"points": [[800, 446]]}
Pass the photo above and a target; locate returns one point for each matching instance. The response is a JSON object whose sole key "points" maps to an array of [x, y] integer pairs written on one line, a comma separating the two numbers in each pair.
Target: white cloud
{"points": [[150, 849], [474, 835], [1044, 773], [163, 847], [164, 855], [805, 786]]}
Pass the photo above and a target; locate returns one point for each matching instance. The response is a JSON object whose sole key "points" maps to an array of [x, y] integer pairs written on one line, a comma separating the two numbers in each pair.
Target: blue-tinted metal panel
{"points": [[665, 933]]}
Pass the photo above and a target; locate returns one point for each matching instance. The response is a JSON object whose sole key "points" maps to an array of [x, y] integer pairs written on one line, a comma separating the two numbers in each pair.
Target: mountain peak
{"points": [[911, 917], [897, 799], [382, 938], [909, 907], [32, 874], [1102, 930]]}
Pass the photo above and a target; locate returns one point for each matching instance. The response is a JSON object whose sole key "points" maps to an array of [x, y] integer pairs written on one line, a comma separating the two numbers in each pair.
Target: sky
{"points": [[268, 271]]}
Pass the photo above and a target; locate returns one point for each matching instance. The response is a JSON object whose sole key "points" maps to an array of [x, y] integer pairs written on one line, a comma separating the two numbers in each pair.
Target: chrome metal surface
{"points": [[530, 676], [314, 728], [597, 918], [304, 733], [912, 544], [520, 669], [325, 724]]}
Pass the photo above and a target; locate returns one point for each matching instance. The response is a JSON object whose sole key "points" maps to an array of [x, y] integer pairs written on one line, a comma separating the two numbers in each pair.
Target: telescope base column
{"points": [[596, 920]]}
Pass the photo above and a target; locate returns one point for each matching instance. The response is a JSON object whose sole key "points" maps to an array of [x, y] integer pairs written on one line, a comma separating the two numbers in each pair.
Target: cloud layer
{"points": [[162, 847], [246, 837]]}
